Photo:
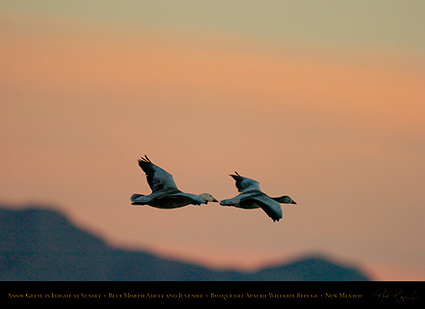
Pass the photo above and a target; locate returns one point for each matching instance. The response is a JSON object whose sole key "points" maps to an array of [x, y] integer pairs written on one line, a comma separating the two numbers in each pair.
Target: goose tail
{"points": [[134, 197]]}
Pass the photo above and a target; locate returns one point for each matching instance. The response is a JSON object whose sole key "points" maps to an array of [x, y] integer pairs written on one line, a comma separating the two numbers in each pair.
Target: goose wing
{"points": [[245, 184], [158, 179], [270, 206]]}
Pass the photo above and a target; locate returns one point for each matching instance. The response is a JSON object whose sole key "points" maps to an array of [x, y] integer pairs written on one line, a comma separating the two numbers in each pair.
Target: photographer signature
{"points": [[397, 295]]}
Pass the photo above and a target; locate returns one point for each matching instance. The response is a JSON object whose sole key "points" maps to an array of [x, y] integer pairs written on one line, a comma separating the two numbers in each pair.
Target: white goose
{"points": [[165, 193], [251, 197]]}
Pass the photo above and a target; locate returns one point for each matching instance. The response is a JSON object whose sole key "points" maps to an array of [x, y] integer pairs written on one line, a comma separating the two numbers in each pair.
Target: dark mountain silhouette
{"points": [[41, 244]]}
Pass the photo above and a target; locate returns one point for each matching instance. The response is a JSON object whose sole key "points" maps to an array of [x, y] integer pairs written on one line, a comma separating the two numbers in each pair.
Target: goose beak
{"points": [[214, 200], [293, 202]]}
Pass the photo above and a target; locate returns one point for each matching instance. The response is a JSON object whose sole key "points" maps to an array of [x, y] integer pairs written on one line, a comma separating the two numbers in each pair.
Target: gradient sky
{"points": [[320, 100]]}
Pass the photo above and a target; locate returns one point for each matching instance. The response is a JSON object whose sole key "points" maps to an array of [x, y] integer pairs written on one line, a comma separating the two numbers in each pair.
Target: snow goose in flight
{"points": [[165, 193], [251, 197]]}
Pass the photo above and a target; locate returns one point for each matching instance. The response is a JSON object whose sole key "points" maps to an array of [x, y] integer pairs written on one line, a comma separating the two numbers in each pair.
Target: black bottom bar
{"points": [[63, 292]]}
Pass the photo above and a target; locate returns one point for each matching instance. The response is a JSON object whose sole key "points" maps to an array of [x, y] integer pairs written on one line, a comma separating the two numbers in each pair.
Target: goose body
{"points": [[251, 197], [165, 193]]}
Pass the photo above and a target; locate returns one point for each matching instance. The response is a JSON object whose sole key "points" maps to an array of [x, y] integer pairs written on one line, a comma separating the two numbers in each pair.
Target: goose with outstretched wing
{"points": [[165, 193], [251, 197]]}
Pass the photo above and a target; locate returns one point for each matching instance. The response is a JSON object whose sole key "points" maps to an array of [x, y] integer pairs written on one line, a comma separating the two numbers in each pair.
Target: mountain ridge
{"points": [[42, 244]]}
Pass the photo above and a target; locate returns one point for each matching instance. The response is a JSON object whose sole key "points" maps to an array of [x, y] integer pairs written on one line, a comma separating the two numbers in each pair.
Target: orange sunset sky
{"points": [[320, 100]]}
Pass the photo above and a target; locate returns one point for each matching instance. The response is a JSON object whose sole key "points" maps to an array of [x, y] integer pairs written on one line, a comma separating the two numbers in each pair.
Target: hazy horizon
{"points": [[321, 101]]}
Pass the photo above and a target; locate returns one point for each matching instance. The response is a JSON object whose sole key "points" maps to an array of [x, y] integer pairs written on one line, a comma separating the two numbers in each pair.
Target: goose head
{"points": [[284, 199], [207, 198]]}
